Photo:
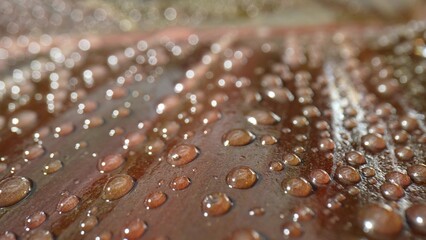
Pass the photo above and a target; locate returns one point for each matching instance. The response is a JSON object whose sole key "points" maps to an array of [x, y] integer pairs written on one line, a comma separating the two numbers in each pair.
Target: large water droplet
{"points": [[13, 189], [401, 179], [182, 154], [35, 220], [355, 158], [392, 191], [237, 137], [117, 186], [416, 217], [404, 153], [379, 221], [241, 177], [319, 177], [417, 173], [216, 204]]}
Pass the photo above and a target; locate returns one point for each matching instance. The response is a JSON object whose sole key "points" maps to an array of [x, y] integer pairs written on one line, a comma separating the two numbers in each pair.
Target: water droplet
{"points": [[281, 95], [319, 177], [64, 129], [416, 217], [291, 160], [241, 177], [117, 186], [104, 236], [33, 152], [268, 140], [23, 120], [401, 179], [13, 189], [401, 136], [180, 183], [257, 211], [409, 123], [300, 121], [292, 230], [417, 173], [245, 234], [216, 204], [211, 116], [154, 146], [134, 229], [110, 163], [373, 142], [404, 153], [88, 224], [67, 204], [297, 187], [368, 172], [237, 137], [379, 221], [35, 220], [155, 199], [311, 111], [8, 236], [262, 117], [347, 175], [276, 166], [303, 214], [52, 167], [93, 122], [182, 154], [39, 234], [355, 158], [392, 191]]}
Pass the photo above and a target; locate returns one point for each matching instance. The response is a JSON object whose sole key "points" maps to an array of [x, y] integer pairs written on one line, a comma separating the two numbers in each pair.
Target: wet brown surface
{"points": [[181, 102]]}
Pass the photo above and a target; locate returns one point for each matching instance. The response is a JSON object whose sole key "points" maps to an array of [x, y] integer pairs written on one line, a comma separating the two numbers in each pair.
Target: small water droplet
{"points": [[135, 229], [241, 177], [68, 203], [392, 191], [276, 166], [297, 187], [373, 142], [13, 189], [347, 175], [117, 186], [417, 173], [155, 199], [303, 214], [237, 137], [292, 230], [401, 179], [404, 153], [355, 158], [257, 211], [262, 117], [216, 204], [319, 177], [33, 152], [88, 224], [35, 220], [180, 183], [245, 234], [182, 154], [292, 160], [110, 163], [52, 167], [39, 234]]}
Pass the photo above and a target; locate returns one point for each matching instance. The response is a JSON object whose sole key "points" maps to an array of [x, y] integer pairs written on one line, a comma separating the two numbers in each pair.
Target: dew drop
{"points": [[303, 214], [117, 186], [211, 116], [237, 137], [7, 236], [182, 154], [268, 140], [88, 223], [241, 178], [257, 211], [409, 123], [39, 234], [13, 189], [216, 204], [64, 129], [276, 166], [34, 152], [291, 160], [392, 191]]}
